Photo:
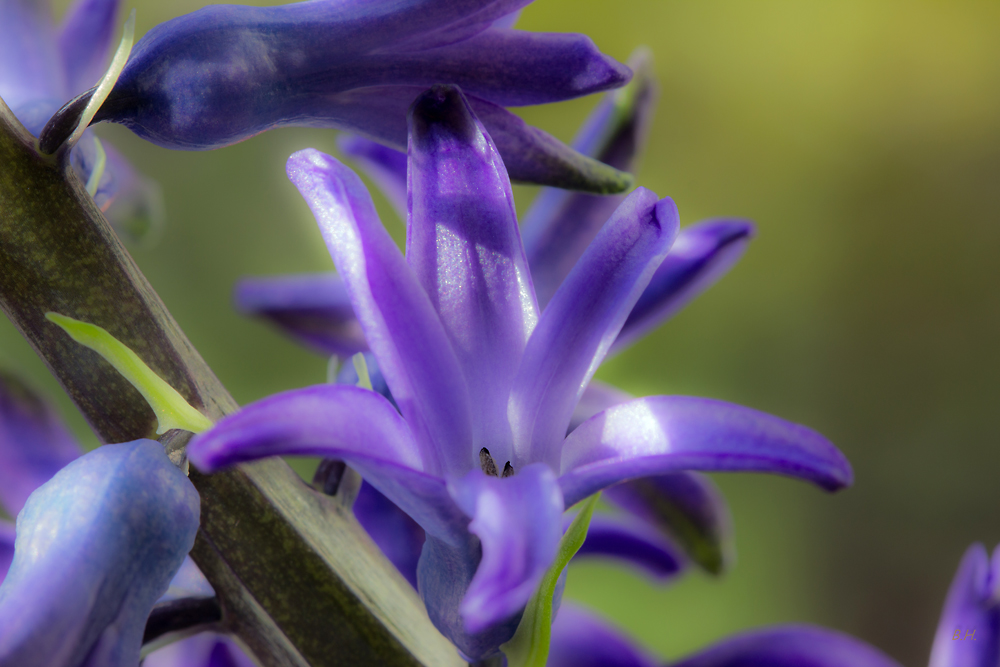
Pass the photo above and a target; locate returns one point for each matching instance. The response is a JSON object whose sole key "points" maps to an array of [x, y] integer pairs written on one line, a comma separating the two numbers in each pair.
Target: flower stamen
{"points": [[487, 464]]}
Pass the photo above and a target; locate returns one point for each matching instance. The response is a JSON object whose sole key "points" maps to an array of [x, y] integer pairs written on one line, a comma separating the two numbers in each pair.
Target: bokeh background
{"points": [[863, 137]]}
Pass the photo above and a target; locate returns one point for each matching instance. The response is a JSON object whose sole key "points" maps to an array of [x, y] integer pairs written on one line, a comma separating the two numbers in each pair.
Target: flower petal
{"points": [[398, 536], [584, 317], [475, 594], [685, 506], [386, 166], [790, 646], [346, 423], [132, 203], [85, 40], [207, 649], [518, 522], [6, 547], [34, 444], [661, 434], [702, 254], [465, 249], [398, 320], [30, 69], [312, 308], [632, 541], [968, 634], [96, 546], [582, 639], [560, 225]]}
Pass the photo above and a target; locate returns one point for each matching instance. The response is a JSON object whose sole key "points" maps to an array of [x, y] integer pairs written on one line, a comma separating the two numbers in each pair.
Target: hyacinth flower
{"points": [[485, 384], [685, 509], [96, 545], [224, 73], [41, 66], [968, 634], [34, 447]]}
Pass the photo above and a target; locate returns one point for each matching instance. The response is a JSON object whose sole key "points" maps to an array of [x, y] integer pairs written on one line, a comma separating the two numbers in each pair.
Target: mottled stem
{"points": [[297, 578]]}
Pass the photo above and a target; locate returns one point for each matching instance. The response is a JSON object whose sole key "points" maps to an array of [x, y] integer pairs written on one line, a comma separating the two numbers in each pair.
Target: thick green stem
{"points": [[298, 580]]}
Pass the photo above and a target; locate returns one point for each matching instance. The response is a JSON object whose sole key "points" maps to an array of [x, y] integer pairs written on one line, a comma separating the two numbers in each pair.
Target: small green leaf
{"points": [[172, 411], [529, 647], [361, 368]]}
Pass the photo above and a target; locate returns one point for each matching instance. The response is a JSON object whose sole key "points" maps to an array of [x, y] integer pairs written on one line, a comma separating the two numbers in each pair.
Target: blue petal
{"points": [[789, 646], [30, 68], [34, 444], [398, 536], [581, 639], [464, 246], [313, 308], [581, 322], [559, 224], [968, 634], [635, 543], [6, 547], [702, 254], [96, 546], [597, 397], [396, 315], [85, 41], [662, 434]]}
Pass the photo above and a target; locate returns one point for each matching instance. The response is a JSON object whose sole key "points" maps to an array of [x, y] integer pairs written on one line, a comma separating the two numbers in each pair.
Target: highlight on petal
{"points": [[582, 639], [665, 434], [517, 520], [34, 443], [395, 313], [342, 422], [582, 320], [702, 253], [314, 309], [790, 646], [968, 633], [96, 546], [386, 166], [85, 41], [597, 397], [686, 507], [634, 543], [559, 225], [464, 247]]}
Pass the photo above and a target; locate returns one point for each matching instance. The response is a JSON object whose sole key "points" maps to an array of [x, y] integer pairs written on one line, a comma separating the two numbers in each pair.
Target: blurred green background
{"points": [[863, 137]]}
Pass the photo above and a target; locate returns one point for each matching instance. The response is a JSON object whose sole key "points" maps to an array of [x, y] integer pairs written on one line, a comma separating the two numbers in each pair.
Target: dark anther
{"points": [[63, 122], [508, 470], [183, 614], [487, 464], [329, 475]]}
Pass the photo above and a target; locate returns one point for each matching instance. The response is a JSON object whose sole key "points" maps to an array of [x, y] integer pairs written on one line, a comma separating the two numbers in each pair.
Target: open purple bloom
{"points": [[34, 447], [42, 66], [315, 309], [581, 639], [485, 384], [227, 72]]}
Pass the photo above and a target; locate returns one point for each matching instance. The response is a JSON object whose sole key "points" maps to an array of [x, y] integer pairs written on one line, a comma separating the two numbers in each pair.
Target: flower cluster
{"points": [[470, 410]]}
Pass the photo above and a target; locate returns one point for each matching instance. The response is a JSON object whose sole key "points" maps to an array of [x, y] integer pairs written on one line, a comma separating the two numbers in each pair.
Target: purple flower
{"points": [[99, 537], [581, 639], [226, 72], [684, 507], [485, 383], [41, 66]]}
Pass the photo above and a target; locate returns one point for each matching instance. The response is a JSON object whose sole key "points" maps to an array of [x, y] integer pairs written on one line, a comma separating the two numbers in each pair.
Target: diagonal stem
{"points": [[297, 578]]}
